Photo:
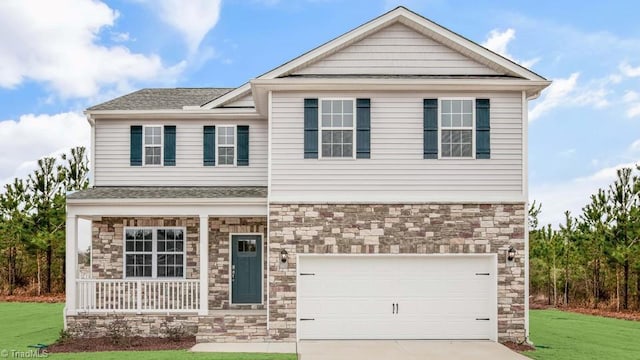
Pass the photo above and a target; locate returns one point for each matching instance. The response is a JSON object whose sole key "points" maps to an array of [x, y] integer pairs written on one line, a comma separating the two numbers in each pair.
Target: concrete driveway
{"points": [[404, 350]]}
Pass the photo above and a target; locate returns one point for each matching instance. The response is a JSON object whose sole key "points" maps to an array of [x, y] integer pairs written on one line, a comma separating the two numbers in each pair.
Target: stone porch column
{"points": [[204, 265], [71, 264]]}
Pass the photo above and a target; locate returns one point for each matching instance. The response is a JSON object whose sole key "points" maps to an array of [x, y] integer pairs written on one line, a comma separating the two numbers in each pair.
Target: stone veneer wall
{"points": [[220, 230], [96, 325], [107, 243], [395, 229]]}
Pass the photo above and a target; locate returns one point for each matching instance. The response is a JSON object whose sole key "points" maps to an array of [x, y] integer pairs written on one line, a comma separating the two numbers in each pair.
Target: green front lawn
{"points": [[24, 324], [560, 335]]}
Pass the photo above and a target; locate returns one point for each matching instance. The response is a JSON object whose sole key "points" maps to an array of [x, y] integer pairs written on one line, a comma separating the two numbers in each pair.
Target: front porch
{"points": [[159, 261]]}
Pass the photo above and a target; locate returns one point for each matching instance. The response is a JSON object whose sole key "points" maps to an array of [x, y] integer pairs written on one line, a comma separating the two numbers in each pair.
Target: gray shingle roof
{"points": [[169, 192], [162, 99]]}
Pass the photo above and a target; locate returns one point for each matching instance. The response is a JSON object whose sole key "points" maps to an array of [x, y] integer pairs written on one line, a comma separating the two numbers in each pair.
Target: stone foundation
{"points": [[146, 325], [397, 229], [233, 327]]}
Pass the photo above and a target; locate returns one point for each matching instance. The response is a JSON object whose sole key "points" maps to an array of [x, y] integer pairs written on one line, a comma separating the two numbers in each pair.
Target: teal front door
{"points": [[246, 269]]}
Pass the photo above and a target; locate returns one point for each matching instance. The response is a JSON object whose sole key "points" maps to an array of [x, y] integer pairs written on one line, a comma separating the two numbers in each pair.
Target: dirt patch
{"points": [[624, 315], [518, 347], [51, 298], [135, 343]]}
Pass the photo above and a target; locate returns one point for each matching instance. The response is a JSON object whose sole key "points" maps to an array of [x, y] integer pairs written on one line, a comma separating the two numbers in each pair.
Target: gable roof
{"points": [[401, 15], [162, 99]]}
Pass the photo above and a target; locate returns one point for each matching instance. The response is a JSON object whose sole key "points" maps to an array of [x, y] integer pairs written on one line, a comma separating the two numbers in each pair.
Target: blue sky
{"points": [[58, 57]]}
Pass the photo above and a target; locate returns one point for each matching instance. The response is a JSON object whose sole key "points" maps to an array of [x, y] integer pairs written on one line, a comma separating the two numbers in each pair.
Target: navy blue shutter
{"points": [[363, 128], [430, 128], [169, 145], [310, 128], [243, 145], [483, 129], [135, 152], [209, 146]]}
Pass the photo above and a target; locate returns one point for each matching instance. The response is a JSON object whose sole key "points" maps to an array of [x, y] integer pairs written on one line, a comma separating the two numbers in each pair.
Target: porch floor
{"points": [[247, 347]]}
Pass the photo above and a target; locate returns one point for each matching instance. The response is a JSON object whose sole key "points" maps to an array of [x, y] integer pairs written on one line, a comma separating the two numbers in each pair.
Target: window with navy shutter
{"points": [[135, 147], [169, 145], [483, 129], [209, 146], [430, 128], [363, 128], [310, 128], [243, 145]]}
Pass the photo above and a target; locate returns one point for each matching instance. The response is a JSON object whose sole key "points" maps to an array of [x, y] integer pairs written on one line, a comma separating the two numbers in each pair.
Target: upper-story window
{"points": [[226, 145], [337, 128], [456, 128], [153, 145]]}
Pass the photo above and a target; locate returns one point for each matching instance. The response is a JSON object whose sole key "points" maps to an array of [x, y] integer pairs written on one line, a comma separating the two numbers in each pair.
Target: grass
{"points": [[24, 324], [563, 335]]}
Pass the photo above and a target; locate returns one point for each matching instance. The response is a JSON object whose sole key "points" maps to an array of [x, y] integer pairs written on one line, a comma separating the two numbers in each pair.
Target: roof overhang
{"points": [[190, 113], [261, 87], [91, 208], [401, 15]]}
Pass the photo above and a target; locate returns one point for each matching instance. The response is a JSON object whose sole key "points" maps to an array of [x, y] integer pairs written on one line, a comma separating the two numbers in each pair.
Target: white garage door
{"points": [[397, 297]]}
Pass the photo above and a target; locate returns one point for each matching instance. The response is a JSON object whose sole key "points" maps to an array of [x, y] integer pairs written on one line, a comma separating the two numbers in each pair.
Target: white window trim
{"points": [[154, 252], [473, 129], [321, 128], [235, 145], [144, 146]]}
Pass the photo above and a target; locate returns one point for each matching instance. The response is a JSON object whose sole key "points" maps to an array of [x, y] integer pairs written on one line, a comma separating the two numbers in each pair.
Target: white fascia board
{"points": [[89, 210], [232, 113], [171, 201], [228, 97], [393, 198], [464, 43]]}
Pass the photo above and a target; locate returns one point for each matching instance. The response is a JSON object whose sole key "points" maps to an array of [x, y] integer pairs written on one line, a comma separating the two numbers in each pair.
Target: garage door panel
{"points": [[438, 297]]}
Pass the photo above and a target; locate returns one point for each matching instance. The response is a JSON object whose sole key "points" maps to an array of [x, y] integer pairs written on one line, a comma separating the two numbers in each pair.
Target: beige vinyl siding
{"points": [[396, 170], [112, 156], [245, 101], [397, 49]]}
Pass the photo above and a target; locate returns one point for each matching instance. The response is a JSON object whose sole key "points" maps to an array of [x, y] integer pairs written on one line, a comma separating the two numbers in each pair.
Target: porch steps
{"points": [[231, 326]]}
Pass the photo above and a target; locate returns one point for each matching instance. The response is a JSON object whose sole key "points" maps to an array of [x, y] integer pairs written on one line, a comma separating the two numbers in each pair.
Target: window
{"points": [[226, 145], [154, 252], [153, 145], [456, 128], [337, 128]]}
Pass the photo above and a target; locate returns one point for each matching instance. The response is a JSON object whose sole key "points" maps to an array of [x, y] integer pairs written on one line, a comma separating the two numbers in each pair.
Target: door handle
{"points": [[393, 308], [233, 273]]}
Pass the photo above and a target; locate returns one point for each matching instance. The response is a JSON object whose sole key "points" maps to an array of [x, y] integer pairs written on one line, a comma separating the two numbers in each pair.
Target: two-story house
{"points": [[373, 188]]}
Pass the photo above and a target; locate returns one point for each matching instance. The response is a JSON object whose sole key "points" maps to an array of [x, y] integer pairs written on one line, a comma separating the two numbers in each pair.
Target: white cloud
{"points": [[32, 137], [628, 70], [554, 96], [498, 42], [56, 43], [572, 195], [193, 18], [630, 96], [633, 111], [567, 92]]}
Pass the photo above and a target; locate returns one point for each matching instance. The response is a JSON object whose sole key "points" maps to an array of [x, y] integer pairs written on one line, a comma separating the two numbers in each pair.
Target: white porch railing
{"points": [[138, 296]]}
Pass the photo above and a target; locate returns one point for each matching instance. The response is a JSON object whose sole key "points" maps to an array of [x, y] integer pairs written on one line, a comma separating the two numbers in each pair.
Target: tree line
{"points": [[593, 258], [32, 224]]}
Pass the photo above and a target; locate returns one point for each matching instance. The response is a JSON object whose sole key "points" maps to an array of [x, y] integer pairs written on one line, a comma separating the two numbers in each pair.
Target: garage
{"points": [[397, 297]]}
